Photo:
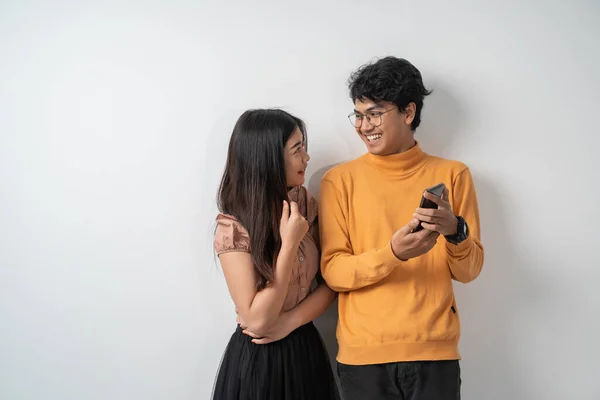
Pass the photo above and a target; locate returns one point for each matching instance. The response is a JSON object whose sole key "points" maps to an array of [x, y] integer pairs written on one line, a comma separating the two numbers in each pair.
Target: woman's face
{"points": [[296, 159]]}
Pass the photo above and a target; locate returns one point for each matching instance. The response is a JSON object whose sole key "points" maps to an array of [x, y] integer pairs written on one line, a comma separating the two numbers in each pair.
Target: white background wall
{"points": [[114, 123]]}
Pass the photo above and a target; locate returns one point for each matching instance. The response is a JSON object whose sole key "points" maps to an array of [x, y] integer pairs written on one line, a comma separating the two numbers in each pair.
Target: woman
{"points": [[267, 242]]}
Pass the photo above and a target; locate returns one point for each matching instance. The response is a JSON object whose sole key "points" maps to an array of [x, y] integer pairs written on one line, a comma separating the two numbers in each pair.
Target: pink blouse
{"points": [[232, 236]]}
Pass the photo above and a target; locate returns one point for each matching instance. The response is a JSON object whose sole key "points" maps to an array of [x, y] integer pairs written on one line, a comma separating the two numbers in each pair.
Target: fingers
{"points": [[426, 217], [413, 224], [428, 229], [286, 208], [285, 214], [442, 218], [251, 334], [442, 203], [427, 212], [294, 208], [445, 194], [433, 234], [432, 197], [406, 229], [262, 341]]}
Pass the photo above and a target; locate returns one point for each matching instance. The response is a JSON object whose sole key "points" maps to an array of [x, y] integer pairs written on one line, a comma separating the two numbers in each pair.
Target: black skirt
{"points": [[294, 368]]}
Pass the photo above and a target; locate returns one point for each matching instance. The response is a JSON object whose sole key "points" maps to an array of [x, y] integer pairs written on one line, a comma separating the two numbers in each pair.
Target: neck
{"points": [[404, 162], [406, 146]]}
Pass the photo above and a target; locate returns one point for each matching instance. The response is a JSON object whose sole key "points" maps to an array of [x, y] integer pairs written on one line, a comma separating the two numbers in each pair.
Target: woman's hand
{"points": [[293, 225], [281, 329]]}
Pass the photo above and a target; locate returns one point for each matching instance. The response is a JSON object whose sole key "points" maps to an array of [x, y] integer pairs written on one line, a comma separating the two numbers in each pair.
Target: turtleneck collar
{"points": [[403, 163]]}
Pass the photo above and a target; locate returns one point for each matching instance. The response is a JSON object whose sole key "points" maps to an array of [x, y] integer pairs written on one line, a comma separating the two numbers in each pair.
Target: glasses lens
{"points": [[375, 119], [354, 120]]}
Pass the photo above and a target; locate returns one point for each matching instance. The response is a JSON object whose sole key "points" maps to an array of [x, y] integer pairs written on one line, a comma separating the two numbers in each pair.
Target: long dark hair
{"points": [[254, 185]]}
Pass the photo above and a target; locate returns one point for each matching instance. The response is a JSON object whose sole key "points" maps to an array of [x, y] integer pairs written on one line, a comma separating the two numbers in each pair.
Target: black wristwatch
{"points": [[462, 231]]}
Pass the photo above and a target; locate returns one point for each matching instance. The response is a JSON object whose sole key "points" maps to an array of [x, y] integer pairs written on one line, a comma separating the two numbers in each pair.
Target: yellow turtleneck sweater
{"points": [[392, 310]]}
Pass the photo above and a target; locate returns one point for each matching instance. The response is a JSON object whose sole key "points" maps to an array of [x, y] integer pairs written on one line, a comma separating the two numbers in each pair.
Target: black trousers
{"points": [[419, 380]]}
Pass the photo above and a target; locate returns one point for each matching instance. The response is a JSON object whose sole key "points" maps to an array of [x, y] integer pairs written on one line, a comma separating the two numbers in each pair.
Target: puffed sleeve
{"points": [[230, 235]]}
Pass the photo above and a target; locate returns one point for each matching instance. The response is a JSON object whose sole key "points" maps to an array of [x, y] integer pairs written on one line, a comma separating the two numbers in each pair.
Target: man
{"points": [[398, 326]]}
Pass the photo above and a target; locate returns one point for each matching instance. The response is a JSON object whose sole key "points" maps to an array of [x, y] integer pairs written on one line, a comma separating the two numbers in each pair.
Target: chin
{"points": [[377, 150], [295, 184]]}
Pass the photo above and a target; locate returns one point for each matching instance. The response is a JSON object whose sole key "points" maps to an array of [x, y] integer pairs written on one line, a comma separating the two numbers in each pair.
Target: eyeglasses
{"points": [[374, 118]]}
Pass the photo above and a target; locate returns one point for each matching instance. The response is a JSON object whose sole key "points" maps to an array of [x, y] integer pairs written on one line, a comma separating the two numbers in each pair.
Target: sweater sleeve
{"points": [[341, 268], [465, 260]]}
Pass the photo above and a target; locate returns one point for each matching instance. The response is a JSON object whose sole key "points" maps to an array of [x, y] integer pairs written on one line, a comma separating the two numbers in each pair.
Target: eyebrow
{"points": [[369, 109], [296, 145]]}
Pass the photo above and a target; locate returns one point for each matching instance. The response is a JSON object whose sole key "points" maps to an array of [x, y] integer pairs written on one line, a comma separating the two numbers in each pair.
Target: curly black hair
{"points": [[390, 79]]}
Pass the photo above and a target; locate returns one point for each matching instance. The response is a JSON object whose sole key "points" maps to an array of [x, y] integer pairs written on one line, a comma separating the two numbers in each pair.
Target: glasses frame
{"points": [[379, 115]]}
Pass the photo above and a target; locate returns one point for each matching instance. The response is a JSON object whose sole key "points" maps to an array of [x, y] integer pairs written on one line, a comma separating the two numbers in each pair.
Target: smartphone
{"points": [[436, 190]]}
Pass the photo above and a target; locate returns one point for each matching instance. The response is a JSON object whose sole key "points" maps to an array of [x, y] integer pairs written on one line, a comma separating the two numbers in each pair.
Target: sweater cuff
{"points": [[458, 249], [387, 258]]}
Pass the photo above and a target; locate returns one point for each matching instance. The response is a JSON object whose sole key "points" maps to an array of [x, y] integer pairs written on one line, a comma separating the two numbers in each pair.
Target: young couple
{"points": [[398, 326]]}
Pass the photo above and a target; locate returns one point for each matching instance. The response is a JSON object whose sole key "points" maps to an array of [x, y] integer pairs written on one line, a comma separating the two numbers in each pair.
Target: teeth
{"points": [[373, 137]]}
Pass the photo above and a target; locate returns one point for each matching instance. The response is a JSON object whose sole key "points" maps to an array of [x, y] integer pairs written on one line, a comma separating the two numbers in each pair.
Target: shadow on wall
{"points": [[327, 322], [441, 121], [488, 306]]}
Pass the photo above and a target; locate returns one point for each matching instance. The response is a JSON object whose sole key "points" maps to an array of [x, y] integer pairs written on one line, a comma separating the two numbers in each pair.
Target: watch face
{"points": [[462, 235]]}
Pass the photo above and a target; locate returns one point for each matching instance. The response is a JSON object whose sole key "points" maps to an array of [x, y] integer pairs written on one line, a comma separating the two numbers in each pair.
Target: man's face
{"points": [[383, 128]]}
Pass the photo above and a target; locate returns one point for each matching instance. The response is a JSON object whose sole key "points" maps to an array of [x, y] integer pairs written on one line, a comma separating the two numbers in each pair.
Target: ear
{"points": [[409, 113]]}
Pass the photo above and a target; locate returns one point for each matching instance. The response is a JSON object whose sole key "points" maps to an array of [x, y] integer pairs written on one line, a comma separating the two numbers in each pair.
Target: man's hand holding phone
{"points": [[442, 219], [433, 218], [407, 245]]}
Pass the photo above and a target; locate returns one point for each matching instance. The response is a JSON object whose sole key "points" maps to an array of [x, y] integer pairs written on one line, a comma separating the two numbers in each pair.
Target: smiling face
{"points": [[383, 128], [296, 159]]}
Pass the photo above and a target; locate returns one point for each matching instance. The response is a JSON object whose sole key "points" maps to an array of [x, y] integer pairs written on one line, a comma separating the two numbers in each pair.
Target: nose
{"points": [[366, 126], [306, 158]]}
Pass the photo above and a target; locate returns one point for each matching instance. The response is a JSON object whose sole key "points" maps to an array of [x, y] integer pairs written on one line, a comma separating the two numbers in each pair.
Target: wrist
{"points": [[455, 230], [398, 257], [287, 254], [461, 233], [289, 246]]}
